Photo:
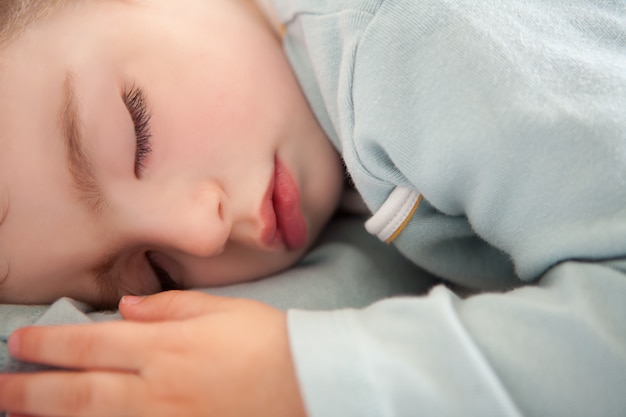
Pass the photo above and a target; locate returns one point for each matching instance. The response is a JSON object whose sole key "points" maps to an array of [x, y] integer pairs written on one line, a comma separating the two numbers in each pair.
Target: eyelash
{"points": [[137, 105]]}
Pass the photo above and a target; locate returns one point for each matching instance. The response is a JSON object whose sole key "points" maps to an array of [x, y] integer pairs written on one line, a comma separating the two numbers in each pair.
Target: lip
{"points": [[284, 224]]}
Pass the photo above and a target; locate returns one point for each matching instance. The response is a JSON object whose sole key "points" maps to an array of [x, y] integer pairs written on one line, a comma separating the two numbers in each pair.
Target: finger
{"points": [[72, 394], [107, 346], [170, 305]]}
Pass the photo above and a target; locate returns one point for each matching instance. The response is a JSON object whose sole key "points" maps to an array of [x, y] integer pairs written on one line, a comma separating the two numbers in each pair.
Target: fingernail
{"points": [[14, 344], [132, 299]]}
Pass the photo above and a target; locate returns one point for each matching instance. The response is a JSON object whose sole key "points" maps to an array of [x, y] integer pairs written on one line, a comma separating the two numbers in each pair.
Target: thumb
{"points": [[169, 305]]}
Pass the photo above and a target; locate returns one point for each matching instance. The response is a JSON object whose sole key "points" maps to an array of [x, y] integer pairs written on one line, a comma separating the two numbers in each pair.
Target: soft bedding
{"points": [[348, 268]]}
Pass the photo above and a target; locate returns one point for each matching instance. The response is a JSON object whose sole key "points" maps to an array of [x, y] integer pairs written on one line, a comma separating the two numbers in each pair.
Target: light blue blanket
{"points": [[348, 268]]}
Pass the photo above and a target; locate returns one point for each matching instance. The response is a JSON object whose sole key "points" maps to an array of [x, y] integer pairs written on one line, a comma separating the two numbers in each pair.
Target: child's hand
{"points": [[185, 354]]}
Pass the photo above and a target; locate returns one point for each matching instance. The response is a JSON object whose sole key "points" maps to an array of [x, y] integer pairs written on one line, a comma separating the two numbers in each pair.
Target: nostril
{"points": [[220, 211], [4, 204]]}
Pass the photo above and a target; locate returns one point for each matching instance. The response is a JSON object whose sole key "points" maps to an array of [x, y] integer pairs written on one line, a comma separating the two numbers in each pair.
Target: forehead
{"points": [[34, 190], [17, 15], [28, 91]]}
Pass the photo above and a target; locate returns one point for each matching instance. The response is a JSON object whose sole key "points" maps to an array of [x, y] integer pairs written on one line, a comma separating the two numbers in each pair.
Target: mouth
{"points": [[284, 223]]}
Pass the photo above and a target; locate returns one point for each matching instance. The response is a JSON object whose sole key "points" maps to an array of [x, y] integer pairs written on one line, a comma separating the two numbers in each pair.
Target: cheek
{"points": [[192, 108], [210, 133], [235, 265]]}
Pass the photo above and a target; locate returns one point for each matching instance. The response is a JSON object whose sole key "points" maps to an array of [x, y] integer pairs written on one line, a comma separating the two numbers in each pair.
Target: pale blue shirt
{"points": [[507, 122]]}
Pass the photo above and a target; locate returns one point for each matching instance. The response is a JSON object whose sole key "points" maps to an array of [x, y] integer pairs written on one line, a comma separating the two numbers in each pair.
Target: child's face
{"points": [[226, 123]]}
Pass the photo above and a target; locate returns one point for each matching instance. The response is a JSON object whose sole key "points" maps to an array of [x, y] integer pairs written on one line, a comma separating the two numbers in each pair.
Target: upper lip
{"points": [[281, 215], [269, 224]]}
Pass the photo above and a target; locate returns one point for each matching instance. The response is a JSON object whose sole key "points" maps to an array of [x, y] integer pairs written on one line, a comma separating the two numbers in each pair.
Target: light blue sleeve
{"points": [[510, 119], [555, 349]]}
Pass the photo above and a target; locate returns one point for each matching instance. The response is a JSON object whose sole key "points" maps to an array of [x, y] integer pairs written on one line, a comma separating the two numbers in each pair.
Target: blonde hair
{"points": [[17, 15]]}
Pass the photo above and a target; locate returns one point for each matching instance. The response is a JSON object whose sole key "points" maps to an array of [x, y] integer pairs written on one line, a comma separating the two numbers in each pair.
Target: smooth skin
{"points": [[224, 107], [179, 354], [220, 119]]}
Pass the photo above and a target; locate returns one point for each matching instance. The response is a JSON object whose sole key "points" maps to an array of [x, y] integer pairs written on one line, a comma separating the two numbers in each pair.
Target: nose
{"points": [[194, 220]]}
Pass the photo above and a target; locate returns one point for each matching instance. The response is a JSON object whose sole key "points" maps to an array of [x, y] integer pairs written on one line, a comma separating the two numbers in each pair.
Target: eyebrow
{"points": [[79, 164], [90, 193]]}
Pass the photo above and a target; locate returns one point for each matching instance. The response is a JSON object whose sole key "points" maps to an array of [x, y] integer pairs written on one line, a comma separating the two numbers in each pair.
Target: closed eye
{"points": [[137, 105]]}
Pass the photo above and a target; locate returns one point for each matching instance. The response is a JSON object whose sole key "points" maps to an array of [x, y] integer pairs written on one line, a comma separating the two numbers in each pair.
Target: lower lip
{"points": [[283, 216]]}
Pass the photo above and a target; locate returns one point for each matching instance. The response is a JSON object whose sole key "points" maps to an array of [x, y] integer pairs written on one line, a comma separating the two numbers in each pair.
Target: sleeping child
{"points": [[151, 145], [175, 161]]}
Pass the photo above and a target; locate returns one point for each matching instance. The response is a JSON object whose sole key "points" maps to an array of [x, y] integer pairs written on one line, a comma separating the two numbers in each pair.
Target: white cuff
{"points": [[394, 214]]}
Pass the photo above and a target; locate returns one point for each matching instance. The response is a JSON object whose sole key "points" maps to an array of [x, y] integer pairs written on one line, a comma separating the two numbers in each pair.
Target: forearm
{"points": [[558, 348]]}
